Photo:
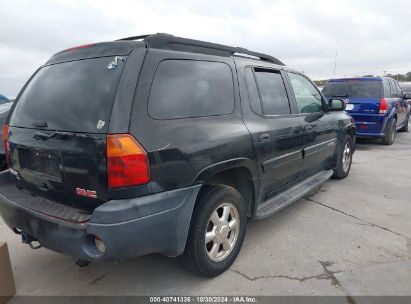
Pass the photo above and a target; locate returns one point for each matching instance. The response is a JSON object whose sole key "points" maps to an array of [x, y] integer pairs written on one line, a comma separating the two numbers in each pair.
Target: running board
{"points": [[288, 197]]}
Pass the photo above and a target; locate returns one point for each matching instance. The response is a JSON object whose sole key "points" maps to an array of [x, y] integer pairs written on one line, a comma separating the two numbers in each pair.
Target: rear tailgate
{"points": [[58, 129], [362, 107], [66, 167]]}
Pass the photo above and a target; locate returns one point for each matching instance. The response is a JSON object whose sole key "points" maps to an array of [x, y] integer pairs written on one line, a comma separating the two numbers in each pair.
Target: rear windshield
{"points": [[353, 88], [74, 96]]}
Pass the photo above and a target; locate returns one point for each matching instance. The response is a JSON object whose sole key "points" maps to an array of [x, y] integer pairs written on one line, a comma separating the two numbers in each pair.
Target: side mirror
{"points": [[336, 105], [407, 95]]}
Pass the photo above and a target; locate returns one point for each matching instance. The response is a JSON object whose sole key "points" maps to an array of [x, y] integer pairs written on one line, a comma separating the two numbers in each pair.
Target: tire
{"points": [[406, 128], [344, 158], [388, 139], [198, 256]]}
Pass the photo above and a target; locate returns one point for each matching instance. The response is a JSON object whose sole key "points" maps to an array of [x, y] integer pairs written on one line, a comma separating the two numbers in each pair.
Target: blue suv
{"points": [[377, 105]]}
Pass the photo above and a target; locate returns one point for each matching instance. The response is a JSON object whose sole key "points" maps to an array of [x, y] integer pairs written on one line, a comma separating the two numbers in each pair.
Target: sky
{"points": [[369, 37]]}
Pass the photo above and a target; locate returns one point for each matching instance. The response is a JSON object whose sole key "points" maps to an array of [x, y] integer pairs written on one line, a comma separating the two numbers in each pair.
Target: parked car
{"points": [[406, 88], [161, 144], [377, 105], [4, 111], [3, 99]]}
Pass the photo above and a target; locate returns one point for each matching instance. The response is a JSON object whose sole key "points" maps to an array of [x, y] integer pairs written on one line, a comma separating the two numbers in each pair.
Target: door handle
{"points": [[264, 138]]}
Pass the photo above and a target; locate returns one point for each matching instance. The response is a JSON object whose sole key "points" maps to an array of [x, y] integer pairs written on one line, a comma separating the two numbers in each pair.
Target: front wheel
{"points": [[216, 232], [344, 158]]}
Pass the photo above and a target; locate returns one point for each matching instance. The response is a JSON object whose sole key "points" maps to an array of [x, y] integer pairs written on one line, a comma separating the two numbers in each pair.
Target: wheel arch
{"points": [[238, 174]]}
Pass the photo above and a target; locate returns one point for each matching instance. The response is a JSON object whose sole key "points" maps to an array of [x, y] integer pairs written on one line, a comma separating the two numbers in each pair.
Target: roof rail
{"points": [[170, 42], [134, 37]]}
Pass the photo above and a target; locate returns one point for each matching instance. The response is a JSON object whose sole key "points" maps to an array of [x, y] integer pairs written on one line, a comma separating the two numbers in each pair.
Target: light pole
{"points": [[335, 62]]}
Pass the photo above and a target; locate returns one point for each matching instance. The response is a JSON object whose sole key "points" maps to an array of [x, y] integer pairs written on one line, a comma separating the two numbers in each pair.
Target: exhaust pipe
{"points": [[28, 239]]}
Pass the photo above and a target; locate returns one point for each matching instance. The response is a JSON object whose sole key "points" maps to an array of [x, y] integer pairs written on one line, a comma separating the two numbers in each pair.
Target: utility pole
{"points": [[384, 72], [335, 62]]}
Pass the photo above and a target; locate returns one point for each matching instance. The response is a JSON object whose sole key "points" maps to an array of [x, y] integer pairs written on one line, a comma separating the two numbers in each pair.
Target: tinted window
{"points": [[398, 89], [74, 96], [353, 88], [253, 92], [387, 88], [186, 88], [308, 98], [274, 100], [394, 90]]}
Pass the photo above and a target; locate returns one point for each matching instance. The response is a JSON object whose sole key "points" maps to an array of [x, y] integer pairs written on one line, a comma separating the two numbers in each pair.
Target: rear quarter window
{"points": [[189, 88]]}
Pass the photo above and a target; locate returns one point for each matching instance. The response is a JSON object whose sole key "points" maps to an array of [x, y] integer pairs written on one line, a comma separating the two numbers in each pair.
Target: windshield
{"points": [[74, 96], [353, 88]]}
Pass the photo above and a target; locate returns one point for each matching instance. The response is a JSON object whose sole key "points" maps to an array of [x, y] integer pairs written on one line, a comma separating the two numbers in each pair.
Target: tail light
{"points": [[6, 142], [383, 106], [127, 162]]}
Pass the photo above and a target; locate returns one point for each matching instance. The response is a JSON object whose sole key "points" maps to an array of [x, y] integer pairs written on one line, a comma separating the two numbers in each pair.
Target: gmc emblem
{"points": [[86, 193]]}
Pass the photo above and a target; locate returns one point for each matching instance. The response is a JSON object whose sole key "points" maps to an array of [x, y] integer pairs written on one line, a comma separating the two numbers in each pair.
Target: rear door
{"points": [[319, 127], [57, 133], [276, 133]]}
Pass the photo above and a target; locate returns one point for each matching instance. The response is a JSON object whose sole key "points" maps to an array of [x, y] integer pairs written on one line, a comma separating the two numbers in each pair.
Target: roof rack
{"points": [[170, 42]]}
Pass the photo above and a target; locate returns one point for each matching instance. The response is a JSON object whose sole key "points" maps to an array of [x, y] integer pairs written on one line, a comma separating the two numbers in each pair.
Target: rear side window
{"points": [[73, 96], [394, 90], [188, 88], [255, 101], [398, 89], [271, 89], [356, 88]]}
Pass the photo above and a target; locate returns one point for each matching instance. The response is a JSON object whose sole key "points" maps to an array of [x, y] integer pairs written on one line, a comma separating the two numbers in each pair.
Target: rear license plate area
{"points": [[43, 162]]}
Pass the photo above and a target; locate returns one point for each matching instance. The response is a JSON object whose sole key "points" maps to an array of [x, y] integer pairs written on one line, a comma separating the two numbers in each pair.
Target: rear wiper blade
{"points": [[346, 95], [39, 124], [61, 135], [41, 135]]}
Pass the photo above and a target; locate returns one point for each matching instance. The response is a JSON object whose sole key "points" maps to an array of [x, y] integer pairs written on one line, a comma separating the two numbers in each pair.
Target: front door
{"points": [[319, 127]]}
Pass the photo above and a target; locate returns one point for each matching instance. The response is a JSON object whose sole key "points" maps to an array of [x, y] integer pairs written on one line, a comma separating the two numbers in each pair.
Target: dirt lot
{"points": [[351, 237]]}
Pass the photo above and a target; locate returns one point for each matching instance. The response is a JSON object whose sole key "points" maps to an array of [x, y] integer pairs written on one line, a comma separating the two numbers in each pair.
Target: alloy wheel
{"points": [[346, 159], [222, 232]]}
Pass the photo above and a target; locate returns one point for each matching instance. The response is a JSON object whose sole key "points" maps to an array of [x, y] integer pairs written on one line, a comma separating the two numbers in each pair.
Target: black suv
{"points": [[164, 144]]}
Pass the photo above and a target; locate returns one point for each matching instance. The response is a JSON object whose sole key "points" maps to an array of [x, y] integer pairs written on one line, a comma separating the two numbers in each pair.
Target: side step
{"points": [[288, 197]]}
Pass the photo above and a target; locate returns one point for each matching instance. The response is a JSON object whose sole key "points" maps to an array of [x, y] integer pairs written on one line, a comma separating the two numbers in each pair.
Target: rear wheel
{"points": [[388, 139], [216, 232], [344, 158]]}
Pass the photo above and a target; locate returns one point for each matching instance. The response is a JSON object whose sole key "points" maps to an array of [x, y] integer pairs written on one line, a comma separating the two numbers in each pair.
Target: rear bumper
{"points": [[369, 134], [370, 125], [155, 223]]}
